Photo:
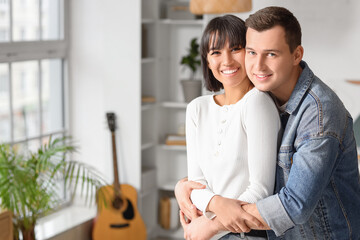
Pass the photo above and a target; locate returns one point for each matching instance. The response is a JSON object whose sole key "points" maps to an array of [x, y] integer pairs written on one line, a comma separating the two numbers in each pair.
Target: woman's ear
{"points": [[298, 54]]}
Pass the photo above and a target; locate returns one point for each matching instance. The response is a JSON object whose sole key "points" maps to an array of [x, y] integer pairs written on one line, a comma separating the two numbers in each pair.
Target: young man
{"points": [[317, 178]]}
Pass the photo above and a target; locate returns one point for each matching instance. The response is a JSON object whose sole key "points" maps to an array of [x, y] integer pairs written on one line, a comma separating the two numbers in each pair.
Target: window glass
{"points": [[50, 20], [4, 20], [52, 92], [25, 96], [27, 147], [25, 20], [5, 126]]}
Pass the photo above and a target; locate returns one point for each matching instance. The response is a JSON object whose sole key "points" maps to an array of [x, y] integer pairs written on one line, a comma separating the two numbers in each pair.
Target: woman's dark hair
{"points": [[218, 31], [270, 17]]}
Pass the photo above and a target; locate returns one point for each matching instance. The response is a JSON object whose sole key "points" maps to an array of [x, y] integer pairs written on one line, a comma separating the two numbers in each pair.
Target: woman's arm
{"points": [[199, 197]]}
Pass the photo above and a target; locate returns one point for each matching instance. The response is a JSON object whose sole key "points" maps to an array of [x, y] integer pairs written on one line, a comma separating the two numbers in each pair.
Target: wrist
{"points": [[213, 203], [215, 226]]}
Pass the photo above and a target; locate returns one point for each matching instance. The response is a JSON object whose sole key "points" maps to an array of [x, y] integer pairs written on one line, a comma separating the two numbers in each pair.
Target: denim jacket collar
{"points": [[300, 89]]}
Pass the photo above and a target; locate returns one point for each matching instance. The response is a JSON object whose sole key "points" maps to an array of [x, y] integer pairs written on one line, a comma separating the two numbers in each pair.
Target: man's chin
{"points": [[262, 88]]}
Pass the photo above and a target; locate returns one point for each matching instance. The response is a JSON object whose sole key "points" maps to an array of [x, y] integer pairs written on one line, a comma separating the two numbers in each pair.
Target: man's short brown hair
{"points": [[270, 17]]}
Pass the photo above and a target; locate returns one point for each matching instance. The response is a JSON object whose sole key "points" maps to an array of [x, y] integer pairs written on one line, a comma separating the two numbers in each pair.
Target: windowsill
{"points": [[63, 220]]}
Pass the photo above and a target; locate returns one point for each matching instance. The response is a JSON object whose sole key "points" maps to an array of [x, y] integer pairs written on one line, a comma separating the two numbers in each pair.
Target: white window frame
{"points": [[11, 52]]}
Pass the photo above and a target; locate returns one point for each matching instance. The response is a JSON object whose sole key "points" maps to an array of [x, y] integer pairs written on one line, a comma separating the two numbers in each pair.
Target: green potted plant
{"points": [[29, 182], [191, 87]]}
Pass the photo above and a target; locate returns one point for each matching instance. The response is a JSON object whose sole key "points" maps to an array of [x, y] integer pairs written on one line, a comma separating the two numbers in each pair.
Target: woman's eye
{"points": [[214, 53], [236, 49]]}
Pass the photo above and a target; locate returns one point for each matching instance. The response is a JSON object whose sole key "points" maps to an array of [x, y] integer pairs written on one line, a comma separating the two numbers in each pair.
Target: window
{"points": [[33, 61]]}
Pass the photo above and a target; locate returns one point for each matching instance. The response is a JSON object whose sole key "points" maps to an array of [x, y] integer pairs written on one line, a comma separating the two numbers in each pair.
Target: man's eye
{"points": [[271, 54], [251, 52]]}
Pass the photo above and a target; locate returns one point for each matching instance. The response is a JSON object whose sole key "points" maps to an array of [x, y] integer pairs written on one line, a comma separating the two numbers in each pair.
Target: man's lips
{"points": [[262, 77]]}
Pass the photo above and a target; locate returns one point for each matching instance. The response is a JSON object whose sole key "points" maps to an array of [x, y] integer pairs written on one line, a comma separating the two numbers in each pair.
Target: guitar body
{"points": [[124, 223]]}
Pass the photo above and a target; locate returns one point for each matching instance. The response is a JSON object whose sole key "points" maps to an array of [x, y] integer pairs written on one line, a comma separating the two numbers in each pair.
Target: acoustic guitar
{"points": [[118, 217]]}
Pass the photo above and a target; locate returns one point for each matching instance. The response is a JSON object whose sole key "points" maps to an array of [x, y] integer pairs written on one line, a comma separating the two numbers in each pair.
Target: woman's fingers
{"points": [[193, 213], [183, 221], [250, 218], [194, 185]]}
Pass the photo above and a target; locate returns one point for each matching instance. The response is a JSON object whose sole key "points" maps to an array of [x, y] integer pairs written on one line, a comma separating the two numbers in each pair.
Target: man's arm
{"points": [[313, 163]]}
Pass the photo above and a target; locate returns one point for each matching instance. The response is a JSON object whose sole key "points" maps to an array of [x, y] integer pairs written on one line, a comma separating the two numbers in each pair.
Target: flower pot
{"points": [[191, 89]]}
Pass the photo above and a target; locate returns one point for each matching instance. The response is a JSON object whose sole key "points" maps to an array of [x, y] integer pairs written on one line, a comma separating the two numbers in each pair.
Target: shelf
{"points": [[179, 105], [172, 234], [354, 81], [147, 21], [198, 22], [173, 147], [168, 186], [147, 106], [148, 60], [146, 192], [147, 145], [148, 180]]}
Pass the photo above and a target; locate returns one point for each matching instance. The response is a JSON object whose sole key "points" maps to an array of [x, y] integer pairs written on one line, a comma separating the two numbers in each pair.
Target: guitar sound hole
{"points": [[117, 203], [129, 213]]}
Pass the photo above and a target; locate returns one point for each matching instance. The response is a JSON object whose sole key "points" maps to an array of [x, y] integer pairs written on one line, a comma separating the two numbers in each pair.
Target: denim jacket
{"points": [[317, 177]]}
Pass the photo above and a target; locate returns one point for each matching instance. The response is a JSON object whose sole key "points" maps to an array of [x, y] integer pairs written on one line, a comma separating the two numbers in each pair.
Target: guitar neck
{"points": [[115, 167]]}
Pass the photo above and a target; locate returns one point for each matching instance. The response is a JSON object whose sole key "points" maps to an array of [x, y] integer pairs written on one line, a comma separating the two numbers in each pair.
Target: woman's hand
{"points": [[183, 190], [199, 228], [231, 214]]}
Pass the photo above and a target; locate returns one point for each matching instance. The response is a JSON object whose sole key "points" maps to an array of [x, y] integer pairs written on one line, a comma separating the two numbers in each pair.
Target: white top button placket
{"points": [[223, 120]]}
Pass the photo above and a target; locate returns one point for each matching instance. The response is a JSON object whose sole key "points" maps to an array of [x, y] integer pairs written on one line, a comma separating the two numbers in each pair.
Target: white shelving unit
{"points": [[163, 42]]}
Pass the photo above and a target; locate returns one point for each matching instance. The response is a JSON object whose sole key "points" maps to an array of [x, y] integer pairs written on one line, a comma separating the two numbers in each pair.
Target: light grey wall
{"points": [[105, 76]]}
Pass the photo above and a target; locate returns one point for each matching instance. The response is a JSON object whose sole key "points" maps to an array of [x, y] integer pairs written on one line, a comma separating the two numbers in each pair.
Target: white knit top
{"points": [[232, 148]]}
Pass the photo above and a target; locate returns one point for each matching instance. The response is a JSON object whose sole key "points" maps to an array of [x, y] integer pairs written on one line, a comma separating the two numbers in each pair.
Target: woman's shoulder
{"points": [[255, 95], [201, 101], [256, 99]]}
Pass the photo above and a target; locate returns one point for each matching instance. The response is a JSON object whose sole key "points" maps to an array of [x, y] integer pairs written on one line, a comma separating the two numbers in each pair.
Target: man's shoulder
{"points": [[323, 98], [321, 110]]}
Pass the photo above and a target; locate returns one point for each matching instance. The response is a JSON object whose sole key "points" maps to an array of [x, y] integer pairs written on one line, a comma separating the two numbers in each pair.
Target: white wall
{"points": [[104, 76], [331, 37]]}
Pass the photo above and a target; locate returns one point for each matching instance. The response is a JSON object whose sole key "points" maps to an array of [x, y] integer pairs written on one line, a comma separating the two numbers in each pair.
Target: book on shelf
{"points": [[174, 139], [168, 213], [148, 99]]}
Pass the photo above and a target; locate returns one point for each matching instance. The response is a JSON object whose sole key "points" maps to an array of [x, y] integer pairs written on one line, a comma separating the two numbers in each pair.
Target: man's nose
{"points": [[259, 63]]}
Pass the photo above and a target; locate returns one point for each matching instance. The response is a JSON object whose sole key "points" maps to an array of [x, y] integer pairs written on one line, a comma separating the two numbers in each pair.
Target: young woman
{"points": [[231, 136]]}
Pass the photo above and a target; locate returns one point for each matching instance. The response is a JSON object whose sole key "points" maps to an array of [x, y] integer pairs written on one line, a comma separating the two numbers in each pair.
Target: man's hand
{"points": [[183, 190], [199, 228], [231, 214], [252, 209]]}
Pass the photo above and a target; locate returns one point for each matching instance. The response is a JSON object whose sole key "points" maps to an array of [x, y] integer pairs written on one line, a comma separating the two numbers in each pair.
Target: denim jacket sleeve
{"points": [[311, 167]]}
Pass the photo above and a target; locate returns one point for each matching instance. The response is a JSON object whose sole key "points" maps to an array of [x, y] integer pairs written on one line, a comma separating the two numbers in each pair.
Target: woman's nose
{"points": [[228, 59]]}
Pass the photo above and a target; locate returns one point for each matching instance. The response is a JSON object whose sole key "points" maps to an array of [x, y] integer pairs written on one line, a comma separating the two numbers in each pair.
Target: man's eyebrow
{"points": [[264, 50]]}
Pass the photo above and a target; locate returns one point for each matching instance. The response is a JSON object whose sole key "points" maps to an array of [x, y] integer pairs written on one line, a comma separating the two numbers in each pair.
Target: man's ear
{"points": [[298, 54]]}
